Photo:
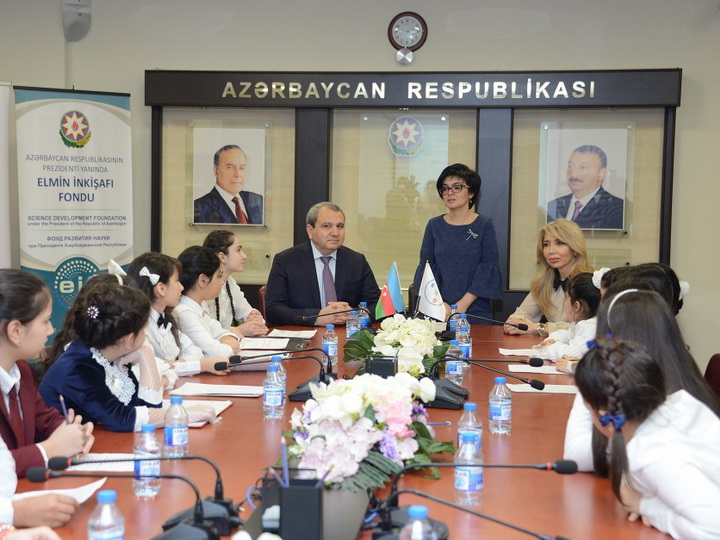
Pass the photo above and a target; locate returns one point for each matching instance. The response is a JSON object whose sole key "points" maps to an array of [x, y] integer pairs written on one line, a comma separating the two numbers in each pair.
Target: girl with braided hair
{"points": [[645, 317], [663, 447], [231, 308]]}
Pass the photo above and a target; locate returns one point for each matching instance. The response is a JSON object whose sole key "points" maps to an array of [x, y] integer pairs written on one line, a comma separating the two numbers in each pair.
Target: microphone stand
{"points": [[537, 385], [474, 513]]}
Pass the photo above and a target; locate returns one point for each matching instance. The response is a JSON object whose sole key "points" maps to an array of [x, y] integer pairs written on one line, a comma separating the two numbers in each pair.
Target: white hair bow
{"points": [[598, 275], [684, 289], [154, 278], [116, 270]]}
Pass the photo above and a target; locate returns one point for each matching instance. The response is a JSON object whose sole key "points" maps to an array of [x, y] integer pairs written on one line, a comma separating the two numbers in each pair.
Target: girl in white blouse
{"points": [[158, 276], [231, 308], [202, 279], [663, 448]]}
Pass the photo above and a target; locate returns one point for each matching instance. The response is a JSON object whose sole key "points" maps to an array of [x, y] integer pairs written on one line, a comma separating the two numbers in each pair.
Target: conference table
{"points": [[578, 507]]}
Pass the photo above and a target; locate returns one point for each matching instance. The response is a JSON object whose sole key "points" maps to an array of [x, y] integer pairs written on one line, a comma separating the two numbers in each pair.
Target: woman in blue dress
{"points": [[461, 247]]}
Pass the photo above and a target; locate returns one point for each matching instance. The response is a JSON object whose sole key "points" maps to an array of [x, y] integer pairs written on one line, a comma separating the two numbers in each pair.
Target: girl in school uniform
{"points": [[231, 308], [566, 346], [94, 374], [158, 277], [31, 430], [663, 447], [202, 279]]}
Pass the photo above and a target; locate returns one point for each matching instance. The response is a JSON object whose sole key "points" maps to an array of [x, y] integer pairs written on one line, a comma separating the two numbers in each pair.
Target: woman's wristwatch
{"points": [[542, 329]]}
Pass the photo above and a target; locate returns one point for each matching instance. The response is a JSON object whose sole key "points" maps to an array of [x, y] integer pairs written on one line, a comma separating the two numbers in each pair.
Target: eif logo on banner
{"points": [[75, 129], [70, 276]]}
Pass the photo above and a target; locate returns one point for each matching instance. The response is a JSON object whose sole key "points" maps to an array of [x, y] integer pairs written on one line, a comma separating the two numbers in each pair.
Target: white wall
{"points": [[129, 36]]}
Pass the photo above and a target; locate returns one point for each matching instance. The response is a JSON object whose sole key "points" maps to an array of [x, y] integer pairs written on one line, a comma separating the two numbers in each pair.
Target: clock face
{"points": [[407, 31]]}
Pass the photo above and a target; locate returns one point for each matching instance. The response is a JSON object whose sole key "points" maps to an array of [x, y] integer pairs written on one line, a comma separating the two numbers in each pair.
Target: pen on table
{"points": [[64, 409], [445, 423]]}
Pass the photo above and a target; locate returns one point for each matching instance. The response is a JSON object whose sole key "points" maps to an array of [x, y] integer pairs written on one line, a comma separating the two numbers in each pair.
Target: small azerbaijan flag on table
{"points": [[391, 300]]}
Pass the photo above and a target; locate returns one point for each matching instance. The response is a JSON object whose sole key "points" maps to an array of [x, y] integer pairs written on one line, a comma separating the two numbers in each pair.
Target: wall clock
{"points": [[407, 32]]}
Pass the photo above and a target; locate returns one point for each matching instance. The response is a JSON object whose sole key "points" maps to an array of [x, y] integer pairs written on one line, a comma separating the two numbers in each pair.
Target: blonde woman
{"points": [[561, 253]]}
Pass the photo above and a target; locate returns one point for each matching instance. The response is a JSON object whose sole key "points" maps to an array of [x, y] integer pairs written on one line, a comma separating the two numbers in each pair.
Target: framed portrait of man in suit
{"points": [[584, 176], [228, 176]]}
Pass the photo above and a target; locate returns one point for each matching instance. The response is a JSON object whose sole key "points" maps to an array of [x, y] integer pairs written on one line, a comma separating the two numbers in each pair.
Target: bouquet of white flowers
{"points": [[412, 340], [356, 433]]}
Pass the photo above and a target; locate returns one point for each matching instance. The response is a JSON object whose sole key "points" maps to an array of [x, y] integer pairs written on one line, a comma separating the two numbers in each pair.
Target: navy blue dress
{"points": [[463, 258], [81, 381]]}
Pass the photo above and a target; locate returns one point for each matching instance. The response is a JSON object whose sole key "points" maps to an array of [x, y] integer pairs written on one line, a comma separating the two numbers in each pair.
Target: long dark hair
{"points": [[162, 265], [220, 241], [23, 296], [197, 260], [658, 277], [620, 377], [645, 317]]}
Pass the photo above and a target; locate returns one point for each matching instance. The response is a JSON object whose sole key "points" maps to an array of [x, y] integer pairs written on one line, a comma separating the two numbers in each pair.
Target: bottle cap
{"points": [[500, 380], [147, 428], [454, 342], [330, 327], [107, 496], [417, 512], [462, 315], [353, 313], [470, 406], [175, 400], [273, 367], [453, 306], [363, 304], [467, 437], [276, 359]]}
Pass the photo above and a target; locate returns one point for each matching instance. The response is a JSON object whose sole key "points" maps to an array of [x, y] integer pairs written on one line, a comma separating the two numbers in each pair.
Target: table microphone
{"points": [[397, 518], [306, 318], [537, 385], [532, 362], [520, 326], [199, 528], [474, 513], [212, 507]]}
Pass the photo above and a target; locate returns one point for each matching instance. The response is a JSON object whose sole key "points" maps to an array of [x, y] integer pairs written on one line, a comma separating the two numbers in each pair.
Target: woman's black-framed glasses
{"points": [[455, 188]]}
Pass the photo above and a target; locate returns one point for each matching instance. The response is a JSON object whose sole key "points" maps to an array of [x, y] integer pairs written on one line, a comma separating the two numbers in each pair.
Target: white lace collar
{"points": [[116, 378]]}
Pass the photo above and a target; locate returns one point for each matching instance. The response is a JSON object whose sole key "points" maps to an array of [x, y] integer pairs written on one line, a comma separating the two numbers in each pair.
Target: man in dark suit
{"points": [[227, 202], [589, 205], [302, 284]]}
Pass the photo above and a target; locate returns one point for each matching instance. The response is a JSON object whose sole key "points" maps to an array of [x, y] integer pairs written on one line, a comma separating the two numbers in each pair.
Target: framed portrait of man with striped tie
{"points": [[590, 168], [236, 195]]}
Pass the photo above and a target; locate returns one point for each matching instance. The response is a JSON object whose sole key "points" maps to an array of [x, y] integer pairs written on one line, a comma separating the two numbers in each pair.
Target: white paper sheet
{"points": [[263, 343], [124, 466], [218, 405], [80, 494], [302, 334], [230, 390], [522, 352], [549, 389], [524, 368]]}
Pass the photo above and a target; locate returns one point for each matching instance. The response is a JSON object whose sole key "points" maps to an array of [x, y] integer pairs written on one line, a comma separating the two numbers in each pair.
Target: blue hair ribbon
{"points": [[617, 420]]}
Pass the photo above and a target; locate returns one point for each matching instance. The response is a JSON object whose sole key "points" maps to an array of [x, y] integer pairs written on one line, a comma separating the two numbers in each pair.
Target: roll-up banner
{"points": [[5, 242], [74, 185]]}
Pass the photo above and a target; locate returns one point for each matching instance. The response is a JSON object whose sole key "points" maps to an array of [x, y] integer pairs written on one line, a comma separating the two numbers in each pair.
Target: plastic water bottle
{"points": [[452, 321], [462, 334], [147, 446], [352, 324], [364, 315], [471, 424], [454, 368], [500, 420], [330, 343], [281, 370], [469, 473], [106, 522], [418, 526], [273, 393], [176, 441]]}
